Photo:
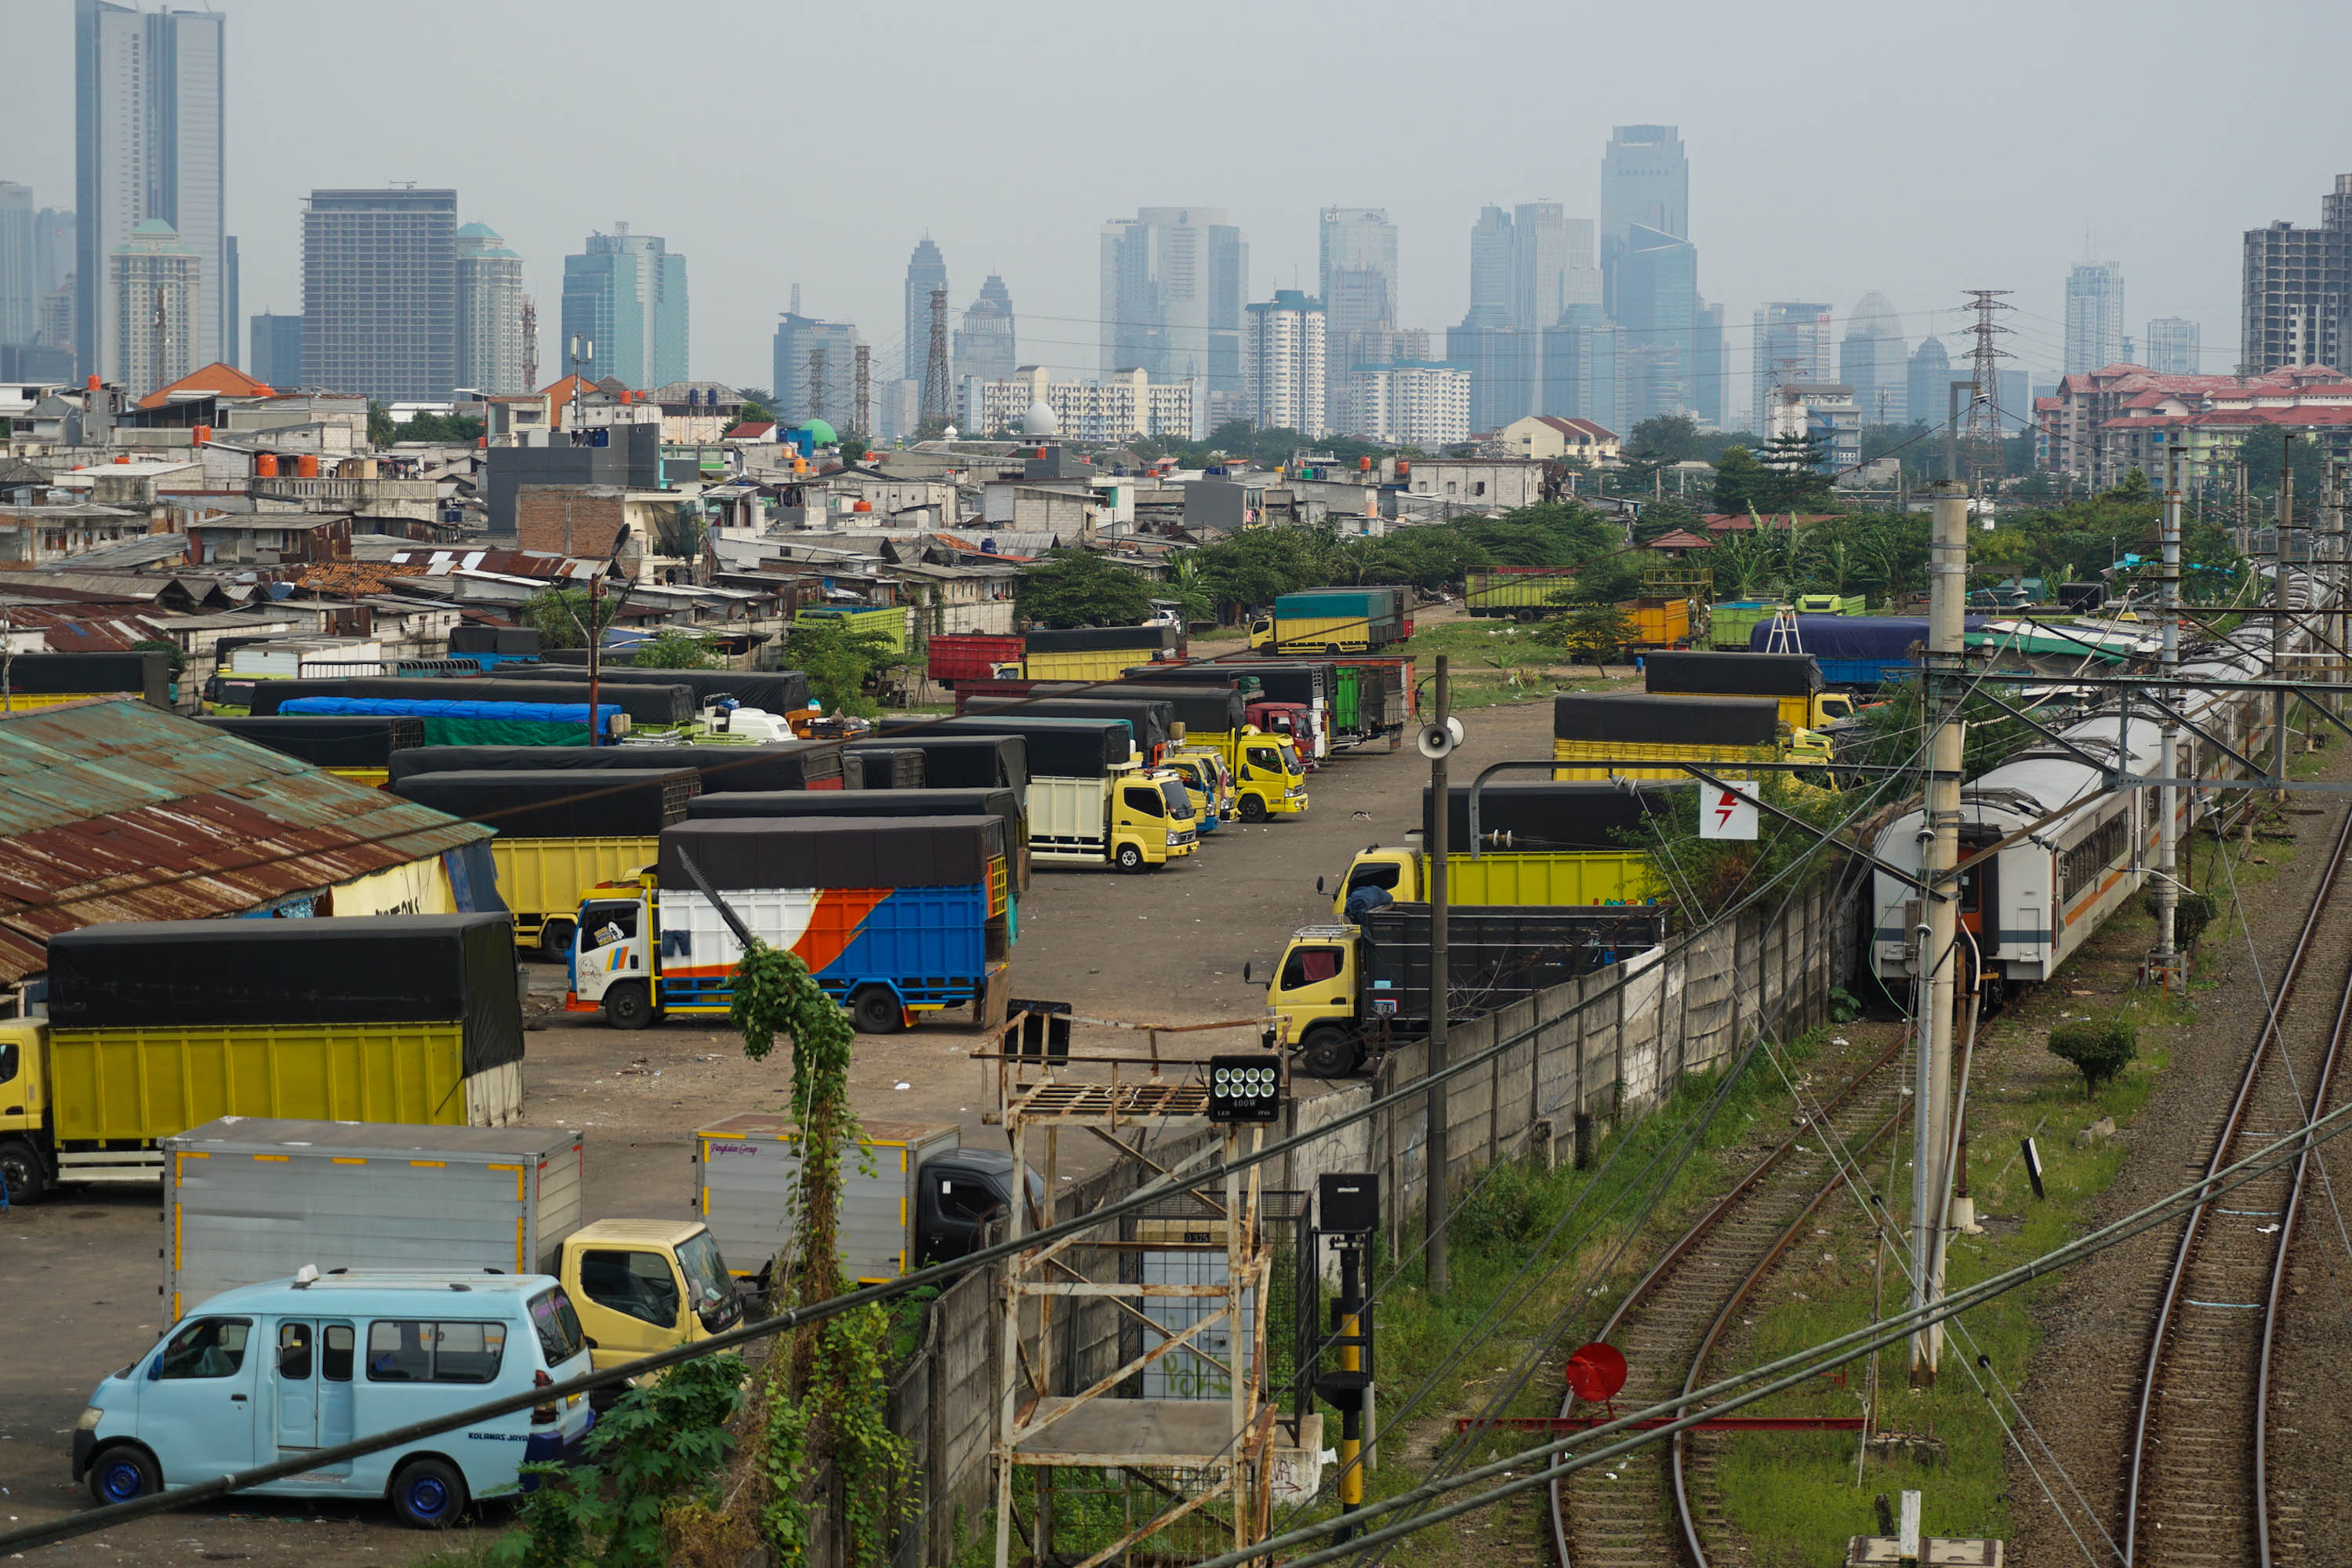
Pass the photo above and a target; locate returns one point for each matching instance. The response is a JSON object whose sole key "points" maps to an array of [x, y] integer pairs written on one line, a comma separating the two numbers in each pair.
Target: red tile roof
{"points": [[1680, 539], [223, 380]]}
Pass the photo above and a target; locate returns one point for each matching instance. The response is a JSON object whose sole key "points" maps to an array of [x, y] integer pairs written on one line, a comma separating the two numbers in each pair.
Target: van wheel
{"points": [[1253, 809], [629, 1006], [123, 1473], [22, 1170], [876, 1010], [428, 1494], [555, 941], [1327, 1052], [1129, 857]]}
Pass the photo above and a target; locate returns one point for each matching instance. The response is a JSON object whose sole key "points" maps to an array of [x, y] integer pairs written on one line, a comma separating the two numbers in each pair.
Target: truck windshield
{"points": [[560, 1338], [706, 1279], [1180, 804]]}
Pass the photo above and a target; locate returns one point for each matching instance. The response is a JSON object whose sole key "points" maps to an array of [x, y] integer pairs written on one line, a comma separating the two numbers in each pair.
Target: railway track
{"points": [[1670, 1322], [2200, 1489]]}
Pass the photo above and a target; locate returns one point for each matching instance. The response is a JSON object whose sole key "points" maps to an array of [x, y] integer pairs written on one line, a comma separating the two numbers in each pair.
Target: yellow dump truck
{"points": [[542, 880], [1642, 737]]}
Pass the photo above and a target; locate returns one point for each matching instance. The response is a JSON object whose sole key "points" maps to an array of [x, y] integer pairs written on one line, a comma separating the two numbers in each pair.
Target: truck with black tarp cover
{"points": [[1792, 680], [558, 802], [1004, 804], [46, 680], [1342, 993], [155, 1028], [663, 706], [1152, 720], [356, 742], [961, 762], [782, 692], [1642, 737], [1088, 801], [1202, 710], [1310, 685], [1056, 748], [779, 764], [891, 915]]}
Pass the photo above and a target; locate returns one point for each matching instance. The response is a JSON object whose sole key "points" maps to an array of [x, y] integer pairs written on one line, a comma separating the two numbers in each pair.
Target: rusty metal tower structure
{"points": [[1174, 1394], [817, 384], [862, 419]]}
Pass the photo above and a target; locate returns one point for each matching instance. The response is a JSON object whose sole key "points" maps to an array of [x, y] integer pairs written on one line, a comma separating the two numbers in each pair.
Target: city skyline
{"points": [[1760, 238]]}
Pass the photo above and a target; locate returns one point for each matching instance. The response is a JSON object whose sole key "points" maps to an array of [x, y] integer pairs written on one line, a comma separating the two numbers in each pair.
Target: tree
{"points": [[674, 647], [439, 429], [561, 616], [754, 407], [380, 426], [838, 659], [2099, 1048], [1668, 438], [1598, 632], [1075, 588], [2261, 452], [1795, 462], [1740, 481], [853, 451]]}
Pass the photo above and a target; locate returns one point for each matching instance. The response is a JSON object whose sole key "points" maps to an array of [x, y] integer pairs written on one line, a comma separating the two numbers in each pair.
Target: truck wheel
{"points": [[876, 1010], [629, 1006], [1327, 1052], [22, 1170], [1525, 617], [1253, 809], [124, 1472], [1129, 857], [555, 941], [428, 1494]]}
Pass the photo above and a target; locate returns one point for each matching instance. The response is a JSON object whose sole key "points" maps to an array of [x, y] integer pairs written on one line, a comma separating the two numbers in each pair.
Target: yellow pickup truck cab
{"points": [[644, 1285]]}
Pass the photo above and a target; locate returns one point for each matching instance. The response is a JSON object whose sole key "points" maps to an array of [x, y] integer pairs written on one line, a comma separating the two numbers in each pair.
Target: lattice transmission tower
{"points": [[1982, 436], [934, 367]]}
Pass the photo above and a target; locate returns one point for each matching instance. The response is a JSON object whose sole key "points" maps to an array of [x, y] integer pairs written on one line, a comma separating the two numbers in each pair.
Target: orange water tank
{"points": [[1404, 467], [200, 435], [863, 506], [122, 459], [306, 465], [265, 465], [1363, 463]]}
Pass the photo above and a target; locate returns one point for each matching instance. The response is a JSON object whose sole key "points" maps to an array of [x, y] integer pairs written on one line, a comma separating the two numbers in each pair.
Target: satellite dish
{"points": [[1596, 1372], [1439, 739]]}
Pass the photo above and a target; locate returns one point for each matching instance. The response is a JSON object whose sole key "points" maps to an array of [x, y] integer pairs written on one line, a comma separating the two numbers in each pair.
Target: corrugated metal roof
{"points": [[111, 810]]}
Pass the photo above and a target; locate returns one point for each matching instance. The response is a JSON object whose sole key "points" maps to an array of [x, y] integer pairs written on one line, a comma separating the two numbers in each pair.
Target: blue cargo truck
{"points": [[1858, 651], [894, 916]]}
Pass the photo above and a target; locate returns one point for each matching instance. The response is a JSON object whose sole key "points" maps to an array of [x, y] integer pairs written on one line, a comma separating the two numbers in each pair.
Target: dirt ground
{"points": [[80, 1274]]}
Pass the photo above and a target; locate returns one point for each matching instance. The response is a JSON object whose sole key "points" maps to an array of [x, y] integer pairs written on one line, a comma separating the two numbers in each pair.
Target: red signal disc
{"points": [[1596, 1372]]}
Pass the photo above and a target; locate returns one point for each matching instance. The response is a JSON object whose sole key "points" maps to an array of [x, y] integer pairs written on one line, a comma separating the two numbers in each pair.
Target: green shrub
{"points": [[2192, 915], [2099, 1048], [1513, 1204]]}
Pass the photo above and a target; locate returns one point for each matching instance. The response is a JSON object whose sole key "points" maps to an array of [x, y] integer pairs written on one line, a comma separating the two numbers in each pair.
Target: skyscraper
{"points": [[1493, 259], [1173, 282], [1579, 367], [627, 294], [20, 282], [1872, 360], [1712, 377], [2094, 316], [986, 347], [1792, 344], [380, 293], [1928, 398], [1644, 181], [147, 144], [2171, 348], [1357, 268], [1658, 307], [1283, 363], [1552, 264], [926, 270], [815, 366], [156, 291], [2297, 304], [490, 312], [53, 246], [277, 354]]}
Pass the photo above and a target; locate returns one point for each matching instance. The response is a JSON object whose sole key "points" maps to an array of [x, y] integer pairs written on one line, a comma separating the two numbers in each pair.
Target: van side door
{"points": [[313, 1377], [196, 1400]]}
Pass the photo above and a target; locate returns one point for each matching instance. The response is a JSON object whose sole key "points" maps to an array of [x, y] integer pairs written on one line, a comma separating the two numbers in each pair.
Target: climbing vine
{"points": [[821, 1401]]}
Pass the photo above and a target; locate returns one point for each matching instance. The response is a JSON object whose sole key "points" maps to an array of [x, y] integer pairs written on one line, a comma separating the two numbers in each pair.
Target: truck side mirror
{"points": [[1248, 976], [1318, 884]]}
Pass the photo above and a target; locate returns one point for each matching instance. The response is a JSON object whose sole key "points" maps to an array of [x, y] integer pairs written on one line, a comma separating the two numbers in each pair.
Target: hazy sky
{"points": [[1913, 149]]}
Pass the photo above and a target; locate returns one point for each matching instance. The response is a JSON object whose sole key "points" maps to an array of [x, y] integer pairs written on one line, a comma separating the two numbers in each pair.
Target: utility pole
{"points": [[935, 365], [2165, 961], [1931, 1104], [865, 390], [1434, 1212]]}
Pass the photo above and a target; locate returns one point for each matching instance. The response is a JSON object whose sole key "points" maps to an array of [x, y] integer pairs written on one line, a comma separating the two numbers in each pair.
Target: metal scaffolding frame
{"points": [[1189, 1453]]}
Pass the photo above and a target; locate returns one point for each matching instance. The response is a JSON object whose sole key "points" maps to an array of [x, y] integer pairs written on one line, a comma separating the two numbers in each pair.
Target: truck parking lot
{"points": [[1163, 949]]}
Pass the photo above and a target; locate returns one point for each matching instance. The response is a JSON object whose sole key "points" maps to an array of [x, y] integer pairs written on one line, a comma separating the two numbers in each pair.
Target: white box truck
{"points": [[247, 1199], [910, 1197]]}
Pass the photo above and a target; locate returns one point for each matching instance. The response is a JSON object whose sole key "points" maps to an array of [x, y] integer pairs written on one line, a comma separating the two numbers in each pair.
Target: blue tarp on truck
{"points": [[1857, 650]]}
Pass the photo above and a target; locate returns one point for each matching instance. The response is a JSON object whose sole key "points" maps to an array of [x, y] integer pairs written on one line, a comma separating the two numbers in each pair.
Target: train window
{"points": [[2080, 864], [1970, 893]]}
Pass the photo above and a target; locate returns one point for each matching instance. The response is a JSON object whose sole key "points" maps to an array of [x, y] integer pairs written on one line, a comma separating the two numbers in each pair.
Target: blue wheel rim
{"points": [[123, 1481], [427, 1497]]}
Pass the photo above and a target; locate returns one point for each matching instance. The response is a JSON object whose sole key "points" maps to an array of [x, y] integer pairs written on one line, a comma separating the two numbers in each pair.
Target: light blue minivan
{"points": [[263, 1373]]}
